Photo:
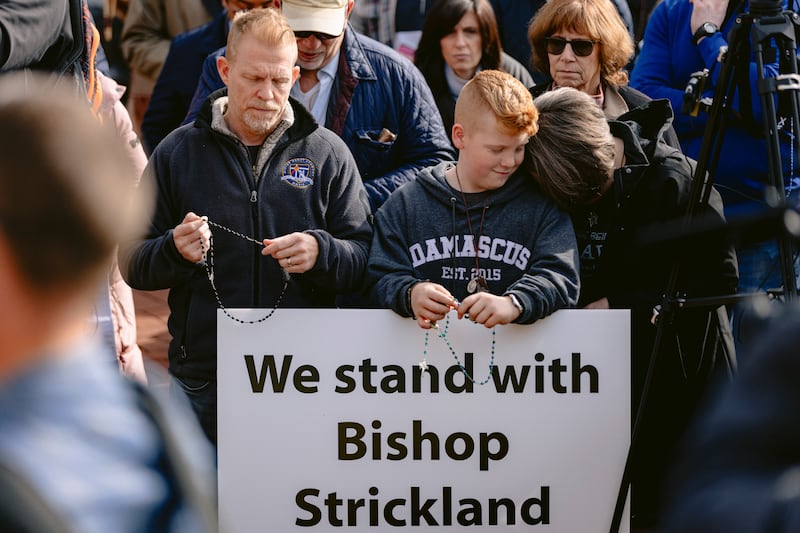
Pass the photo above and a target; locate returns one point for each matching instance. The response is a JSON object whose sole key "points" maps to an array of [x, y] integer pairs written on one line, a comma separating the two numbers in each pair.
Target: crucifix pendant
{"points": [[477, 284]]}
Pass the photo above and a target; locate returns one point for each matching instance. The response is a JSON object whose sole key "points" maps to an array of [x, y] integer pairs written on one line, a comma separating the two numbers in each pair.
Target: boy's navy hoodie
{"points": [[525, 244]]}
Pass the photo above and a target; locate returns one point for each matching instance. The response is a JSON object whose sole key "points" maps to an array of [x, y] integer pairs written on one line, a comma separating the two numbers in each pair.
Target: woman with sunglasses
{"points": [[459, 39], [584, 44]]}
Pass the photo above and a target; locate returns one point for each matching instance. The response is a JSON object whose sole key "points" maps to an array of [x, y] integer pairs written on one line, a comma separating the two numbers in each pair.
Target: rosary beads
{"points": [[209, 264], [443, 335]]}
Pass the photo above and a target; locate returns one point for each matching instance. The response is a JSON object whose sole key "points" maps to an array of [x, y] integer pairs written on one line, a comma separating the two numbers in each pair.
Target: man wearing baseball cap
{"points": [[367, 93], [323, 16]]}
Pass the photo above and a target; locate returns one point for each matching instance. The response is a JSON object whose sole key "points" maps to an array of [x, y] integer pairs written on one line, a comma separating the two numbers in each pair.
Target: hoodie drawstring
{"points": [[453, 254]]}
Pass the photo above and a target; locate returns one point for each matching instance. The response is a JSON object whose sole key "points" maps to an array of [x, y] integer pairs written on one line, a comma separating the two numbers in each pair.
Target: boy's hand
{"points": [[430, 302], [488, 309]]}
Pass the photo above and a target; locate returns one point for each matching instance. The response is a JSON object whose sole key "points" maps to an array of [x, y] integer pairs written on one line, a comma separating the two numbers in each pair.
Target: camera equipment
{"points": [[693, 94], [765, 8], [771, 29]]}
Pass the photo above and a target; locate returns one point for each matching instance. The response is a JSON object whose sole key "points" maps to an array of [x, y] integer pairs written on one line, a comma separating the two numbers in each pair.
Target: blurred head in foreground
{"points": [[65, 202]]}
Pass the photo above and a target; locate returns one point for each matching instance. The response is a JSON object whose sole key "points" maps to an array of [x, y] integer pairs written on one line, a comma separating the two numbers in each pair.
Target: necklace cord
{"points": [[443, 334], [469, 221], [453, 256]]}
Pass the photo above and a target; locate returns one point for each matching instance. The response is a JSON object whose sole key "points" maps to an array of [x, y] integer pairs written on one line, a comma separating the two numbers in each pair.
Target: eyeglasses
{"points": [[580, 47], [318, 34]]}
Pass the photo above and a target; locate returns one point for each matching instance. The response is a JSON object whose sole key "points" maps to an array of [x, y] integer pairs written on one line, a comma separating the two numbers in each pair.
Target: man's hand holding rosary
{"points": [[192, 237], [296, 252]]}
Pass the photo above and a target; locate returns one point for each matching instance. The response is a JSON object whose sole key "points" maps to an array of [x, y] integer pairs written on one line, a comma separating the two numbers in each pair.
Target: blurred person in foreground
{"points": [[738, 470], [59, 38], [81, 448]]}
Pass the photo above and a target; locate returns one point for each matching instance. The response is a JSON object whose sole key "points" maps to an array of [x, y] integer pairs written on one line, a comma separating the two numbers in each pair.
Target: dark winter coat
{"points": [[375, 88], [309, 182], [51, 37], [738, 467], [651, 193], [177, 82]]}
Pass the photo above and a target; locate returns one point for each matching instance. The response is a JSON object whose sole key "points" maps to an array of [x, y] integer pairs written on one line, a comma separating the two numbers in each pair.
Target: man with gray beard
{"points": [[282, 197]]}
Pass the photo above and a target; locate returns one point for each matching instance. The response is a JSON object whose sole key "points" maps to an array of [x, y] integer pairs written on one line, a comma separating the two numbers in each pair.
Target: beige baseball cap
{"points": [[324, 16]]}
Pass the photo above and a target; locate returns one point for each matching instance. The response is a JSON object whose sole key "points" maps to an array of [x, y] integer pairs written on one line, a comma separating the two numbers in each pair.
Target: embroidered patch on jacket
{"points": [[299, 172]]}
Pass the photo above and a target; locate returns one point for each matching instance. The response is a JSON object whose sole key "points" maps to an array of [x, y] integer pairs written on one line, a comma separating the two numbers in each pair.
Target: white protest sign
{"points": [[326, 422]]}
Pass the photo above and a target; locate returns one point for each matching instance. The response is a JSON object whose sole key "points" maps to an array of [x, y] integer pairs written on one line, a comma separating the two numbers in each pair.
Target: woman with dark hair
{"points": [[459, 39], [584, 44]]}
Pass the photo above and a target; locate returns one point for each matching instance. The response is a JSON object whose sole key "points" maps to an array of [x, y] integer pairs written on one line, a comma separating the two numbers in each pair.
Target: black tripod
{"points": [[765, 23]]}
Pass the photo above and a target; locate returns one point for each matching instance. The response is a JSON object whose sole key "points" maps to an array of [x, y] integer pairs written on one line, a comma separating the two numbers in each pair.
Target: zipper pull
{"points": [[253, 197]]}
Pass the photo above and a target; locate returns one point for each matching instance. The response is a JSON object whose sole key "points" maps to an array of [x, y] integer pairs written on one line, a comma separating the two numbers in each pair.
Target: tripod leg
{"points": [[781, 31]]}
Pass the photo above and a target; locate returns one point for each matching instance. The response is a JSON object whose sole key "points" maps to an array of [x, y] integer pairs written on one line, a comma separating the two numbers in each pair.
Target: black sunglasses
{"points": [[580, 47], [318, 34]]}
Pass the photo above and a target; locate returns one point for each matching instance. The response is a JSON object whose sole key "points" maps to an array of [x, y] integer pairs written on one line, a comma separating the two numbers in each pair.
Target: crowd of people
{"points": [[298, 153]]}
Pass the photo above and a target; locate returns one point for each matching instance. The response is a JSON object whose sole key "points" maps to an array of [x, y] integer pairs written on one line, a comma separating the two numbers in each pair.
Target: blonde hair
{"points": [[267, 25], [572, 156], [599, 20], [502, 94]]}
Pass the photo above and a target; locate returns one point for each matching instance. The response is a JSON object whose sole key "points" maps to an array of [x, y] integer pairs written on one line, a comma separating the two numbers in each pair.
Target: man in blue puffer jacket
{"points": [[368, 94]]}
